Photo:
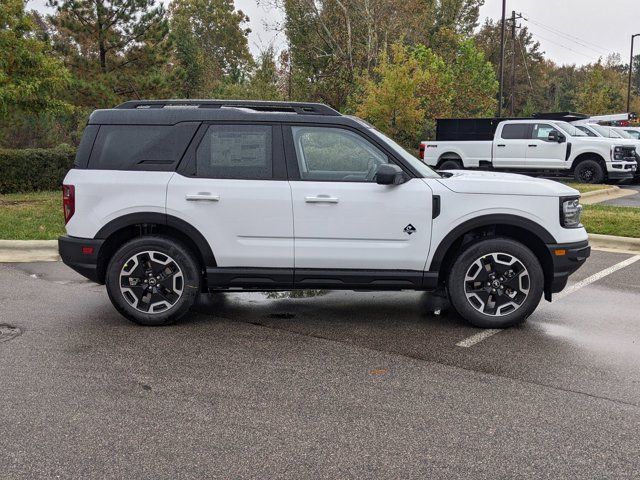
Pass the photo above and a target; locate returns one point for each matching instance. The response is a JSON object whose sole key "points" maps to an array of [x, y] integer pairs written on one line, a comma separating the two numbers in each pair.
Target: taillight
{"points": [[68, 202], [422, 151]]}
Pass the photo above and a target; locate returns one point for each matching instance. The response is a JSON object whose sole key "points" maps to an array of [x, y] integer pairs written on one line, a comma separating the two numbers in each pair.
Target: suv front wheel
{"points": [[153, 280], [496, 283]]}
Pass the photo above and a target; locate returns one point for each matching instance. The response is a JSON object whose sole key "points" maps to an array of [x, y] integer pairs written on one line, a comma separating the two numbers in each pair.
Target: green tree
{"points": [[116, 49], [404, 91], [31, 78], [601, 91], [475, 86], [210, 45]]}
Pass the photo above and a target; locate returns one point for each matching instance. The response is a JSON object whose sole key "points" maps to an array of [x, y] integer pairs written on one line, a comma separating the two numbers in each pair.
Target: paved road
{"points": [[342, 385], [630, 201]]}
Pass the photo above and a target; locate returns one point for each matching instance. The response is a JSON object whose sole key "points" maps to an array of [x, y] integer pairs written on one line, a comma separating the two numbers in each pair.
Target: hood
{"points": [[466, 181], [609, 141]]}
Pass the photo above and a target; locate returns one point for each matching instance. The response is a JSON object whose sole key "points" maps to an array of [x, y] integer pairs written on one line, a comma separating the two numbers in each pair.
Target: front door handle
{"points": [[501, 145], [202, 197], [533, 145], [321, 199]]}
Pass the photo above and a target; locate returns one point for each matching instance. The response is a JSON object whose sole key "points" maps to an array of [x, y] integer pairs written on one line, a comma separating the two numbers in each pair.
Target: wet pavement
{"points": [[331, 385]]}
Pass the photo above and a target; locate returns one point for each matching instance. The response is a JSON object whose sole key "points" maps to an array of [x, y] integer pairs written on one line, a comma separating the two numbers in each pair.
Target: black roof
{"points": [[170, 112]]}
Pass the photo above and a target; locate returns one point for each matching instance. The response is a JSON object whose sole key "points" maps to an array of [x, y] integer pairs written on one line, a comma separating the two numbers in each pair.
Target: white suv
{"points": [[170, 199]]}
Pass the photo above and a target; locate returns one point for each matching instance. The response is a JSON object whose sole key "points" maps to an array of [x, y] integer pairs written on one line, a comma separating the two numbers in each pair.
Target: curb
{"points": [[611, 193], [18, 251], [14, 251]]}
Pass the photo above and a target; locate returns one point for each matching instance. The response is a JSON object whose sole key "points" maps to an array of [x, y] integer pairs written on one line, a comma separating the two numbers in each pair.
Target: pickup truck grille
{"points": [[629, 153]]}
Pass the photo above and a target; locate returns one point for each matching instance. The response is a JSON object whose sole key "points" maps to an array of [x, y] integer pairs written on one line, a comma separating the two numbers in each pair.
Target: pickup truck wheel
{"points": [[451, 165], [153, 280], [589, 171], [496, 283]]}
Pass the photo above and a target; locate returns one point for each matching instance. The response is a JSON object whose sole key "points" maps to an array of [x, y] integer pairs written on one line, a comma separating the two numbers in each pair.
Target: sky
{"points": [[569, 31]]}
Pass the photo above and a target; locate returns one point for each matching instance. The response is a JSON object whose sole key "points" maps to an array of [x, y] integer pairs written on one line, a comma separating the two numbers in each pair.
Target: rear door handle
{"points": [[202, 197], [533, 145], [321, 199]]}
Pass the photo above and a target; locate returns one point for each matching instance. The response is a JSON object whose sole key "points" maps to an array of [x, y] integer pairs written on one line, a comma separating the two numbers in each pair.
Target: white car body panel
{"points": [[364, 227], [105, 195], [250, 225]]}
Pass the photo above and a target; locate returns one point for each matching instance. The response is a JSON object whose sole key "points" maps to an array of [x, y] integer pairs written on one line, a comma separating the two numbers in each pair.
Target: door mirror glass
{"points": [[389, 174]]}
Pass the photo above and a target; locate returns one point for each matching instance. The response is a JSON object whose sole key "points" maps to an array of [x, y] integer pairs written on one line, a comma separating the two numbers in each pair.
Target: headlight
{"points": [[617, 154], [570, 212]]}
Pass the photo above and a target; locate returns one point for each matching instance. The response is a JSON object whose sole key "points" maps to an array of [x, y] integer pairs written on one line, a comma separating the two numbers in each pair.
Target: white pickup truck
{"points": [[530, 146]]}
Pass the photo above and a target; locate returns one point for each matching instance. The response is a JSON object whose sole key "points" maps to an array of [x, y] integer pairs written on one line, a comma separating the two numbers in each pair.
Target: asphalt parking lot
{"points": [[629, 201], [338, 385]]}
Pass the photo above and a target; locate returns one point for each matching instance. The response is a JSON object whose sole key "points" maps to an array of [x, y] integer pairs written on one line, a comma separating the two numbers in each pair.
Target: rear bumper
{"points": [[81, 254], [566, 259]]}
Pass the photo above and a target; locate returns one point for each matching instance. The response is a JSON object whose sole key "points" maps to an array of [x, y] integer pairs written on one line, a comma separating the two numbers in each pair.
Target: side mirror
{"points": [[555, 136], [389, 174]]}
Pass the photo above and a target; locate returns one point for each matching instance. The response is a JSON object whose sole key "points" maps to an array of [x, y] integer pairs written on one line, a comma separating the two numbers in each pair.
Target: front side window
{"points": [[634, 133], [335, 155], [515, 131], [236, 152], [541, 131]]}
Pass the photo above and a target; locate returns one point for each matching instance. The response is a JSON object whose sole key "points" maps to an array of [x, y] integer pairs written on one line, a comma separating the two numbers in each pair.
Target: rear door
{"points": [[343, 219], [510, 145], [543, 153], [232, 187]]}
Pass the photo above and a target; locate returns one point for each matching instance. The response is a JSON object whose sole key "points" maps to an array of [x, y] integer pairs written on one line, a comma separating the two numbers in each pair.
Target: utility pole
{"points": [[504, 10], [630, 72], [513, 64]]}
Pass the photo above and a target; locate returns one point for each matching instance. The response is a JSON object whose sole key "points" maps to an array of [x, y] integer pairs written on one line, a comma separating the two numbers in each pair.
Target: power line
{"points": [[572, 38], [590, 57]]}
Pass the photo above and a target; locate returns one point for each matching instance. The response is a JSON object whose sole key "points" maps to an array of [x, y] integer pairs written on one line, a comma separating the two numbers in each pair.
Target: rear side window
{"points": [[515, 131], [140, 147], [236, 152]]}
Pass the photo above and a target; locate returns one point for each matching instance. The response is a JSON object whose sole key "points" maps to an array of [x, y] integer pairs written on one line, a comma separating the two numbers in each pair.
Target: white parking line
{"points": [[595, 277], [478, 337]]}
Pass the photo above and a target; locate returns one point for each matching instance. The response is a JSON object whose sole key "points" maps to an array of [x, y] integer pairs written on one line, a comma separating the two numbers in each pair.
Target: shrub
{"points": [[34, 169]]}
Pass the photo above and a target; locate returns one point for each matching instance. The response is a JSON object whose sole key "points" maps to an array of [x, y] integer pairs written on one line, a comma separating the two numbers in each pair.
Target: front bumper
{"points": [[622, 170], [81, 254], [566, 258]]}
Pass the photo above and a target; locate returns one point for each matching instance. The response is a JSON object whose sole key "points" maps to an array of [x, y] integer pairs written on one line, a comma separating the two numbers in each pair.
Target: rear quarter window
{"points": [[141, 147]]}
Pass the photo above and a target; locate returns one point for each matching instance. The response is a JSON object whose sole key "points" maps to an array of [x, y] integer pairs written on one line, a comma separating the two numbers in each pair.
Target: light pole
{"points": [[630, 72]]}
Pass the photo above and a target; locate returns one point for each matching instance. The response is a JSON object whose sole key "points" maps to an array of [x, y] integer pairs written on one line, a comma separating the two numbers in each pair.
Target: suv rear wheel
{"points": [[153, 280], [496, 283]]}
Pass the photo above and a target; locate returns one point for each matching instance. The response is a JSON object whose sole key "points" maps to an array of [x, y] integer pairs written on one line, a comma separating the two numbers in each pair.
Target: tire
{"points": [[450, 165], [518, 289], [160, 280], [589, 171]]}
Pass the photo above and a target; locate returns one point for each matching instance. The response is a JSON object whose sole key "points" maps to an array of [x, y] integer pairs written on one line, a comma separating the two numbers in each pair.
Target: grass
{"points": [[586, 187], [612, 220], [31, 216], [38, 216]]}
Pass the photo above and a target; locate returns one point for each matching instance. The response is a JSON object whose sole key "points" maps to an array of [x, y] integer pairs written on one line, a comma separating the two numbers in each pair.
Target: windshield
{"points": [[406, 156], [586, 130], [607, 132], [570, 129]]}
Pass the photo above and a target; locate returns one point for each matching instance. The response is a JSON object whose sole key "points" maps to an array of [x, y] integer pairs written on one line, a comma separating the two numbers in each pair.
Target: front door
{"points": [[342, 218], [543, 153]]}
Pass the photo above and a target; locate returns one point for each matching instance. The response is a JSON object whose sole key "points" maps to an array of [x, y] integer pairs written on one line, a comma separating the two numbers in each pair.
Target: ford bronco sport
{"points": [[171, 199]]}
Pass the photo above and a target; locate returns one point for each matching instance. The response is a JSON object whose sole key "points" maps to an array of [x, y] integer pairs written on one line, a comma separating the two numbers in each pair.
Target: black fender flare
{"points": [[486, 221], [141, 218]]}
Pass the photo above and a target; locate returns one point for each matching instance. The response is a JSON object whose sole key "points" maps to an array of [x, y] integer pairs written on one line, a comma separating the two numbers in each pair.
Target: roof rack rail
{"points": [[257, 105]]}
